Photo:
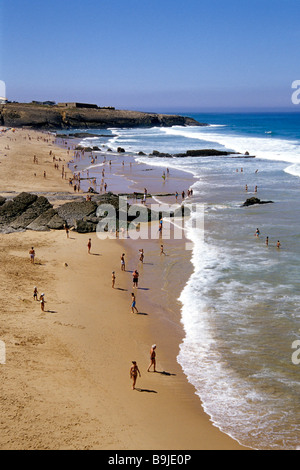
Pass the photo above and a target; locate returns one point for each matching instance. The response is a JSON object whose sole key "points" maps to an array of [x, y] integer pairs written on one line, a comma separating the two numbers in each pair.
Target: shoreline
{"points": [[76, 325]]}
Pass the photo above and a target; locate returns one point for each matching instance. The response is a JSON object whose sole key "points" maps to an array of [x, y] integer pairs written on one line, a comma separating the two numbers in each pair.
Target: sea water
{"points": [[241, 306]]}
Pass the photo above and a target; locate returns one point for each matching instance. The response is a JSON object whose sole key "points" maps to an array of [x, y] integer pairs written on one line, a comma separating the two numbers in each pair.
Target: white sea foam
{"points": [[293, 169], [261, 147]]}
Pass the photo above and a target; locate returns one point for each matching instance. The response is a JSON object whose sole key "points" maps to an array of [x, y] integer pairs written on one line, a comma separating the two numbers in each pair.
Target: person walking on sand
{"points": [[142, 255], [278, 244], [162, 250], [42, 302], [113, 279], [35, 293], [89, 246], [135, 278], [152, 358], [133, 304], [134, 371], [67, 230], [267, 241], [32, 255], [123, 262]]}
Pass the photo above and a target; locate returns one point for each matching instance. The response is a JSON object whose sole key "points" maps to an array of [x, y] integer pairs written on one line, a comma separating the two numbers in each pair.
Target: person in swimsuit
{"points": [[152, 358], [278, 244], [42, 302], [113, 279], [134, 371], [135, 278], [133, 303], [141, 255], [89, 245], [123, 262], [32, 255], [35, 293], [162, 250], [67, 230]]}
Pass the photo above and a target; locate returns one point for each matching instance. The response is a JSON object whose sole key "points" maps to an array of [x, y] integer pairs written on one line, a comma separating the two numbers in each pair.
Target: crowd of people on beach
{"points": [[134, 370], [75, 181]]}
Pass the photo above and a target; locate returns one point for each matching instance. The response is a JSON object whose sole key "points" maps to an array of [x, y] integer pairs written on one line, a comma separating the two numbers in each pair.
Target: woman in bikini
{"points": [[134, 371]]}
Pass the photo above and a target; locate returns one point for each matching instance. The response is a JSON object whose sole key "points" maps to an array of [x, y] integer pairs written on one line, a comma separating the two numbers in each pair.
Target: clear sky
{"points": [[152, 55]]}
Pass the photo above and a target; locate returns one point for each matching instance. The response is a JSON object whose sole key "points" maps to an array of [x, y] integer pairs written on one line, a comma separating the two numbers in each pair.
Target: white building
{"points": [[3, 100]]}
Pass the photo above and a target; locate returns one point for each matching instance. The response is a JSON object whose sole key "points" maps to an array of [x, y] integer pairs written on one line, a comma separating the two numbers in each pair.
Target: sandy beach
{"points": [[66, 383]]}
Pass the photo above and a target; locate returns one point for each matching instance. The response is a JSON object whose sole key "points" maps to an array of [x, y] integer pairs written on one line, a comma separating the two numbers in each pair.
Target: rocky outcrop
{"points": [[31, 212], [194, 153], [77, 210], [254, 200], [53, 117]]}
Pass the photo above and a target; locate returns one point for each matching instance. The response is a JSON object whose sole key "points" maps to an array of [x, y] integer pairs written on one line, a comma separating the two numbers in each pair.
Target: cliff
{"points": [[54, 117]]}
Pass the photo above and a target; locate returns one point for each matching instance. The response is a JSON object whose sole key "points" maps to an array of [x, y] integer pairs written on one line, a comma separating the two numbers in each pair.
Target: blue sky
{"points": [[152, 55]]}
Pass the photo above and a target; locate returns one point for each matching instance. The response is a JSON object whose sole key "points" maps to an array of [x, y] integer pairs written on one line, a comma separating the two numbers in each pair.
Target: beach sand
{"points": [[66, 383]]}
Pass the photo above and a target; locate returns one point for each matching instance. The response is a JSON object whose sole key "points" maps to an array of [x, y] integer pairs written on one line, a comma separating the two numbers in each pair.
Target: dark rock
{"points": [[40, 224], [39, 206], [193, 153], [56, 223], [10, 210], [83, 226], [2, 200], [73, 211], [30, 212], [108, 198], [254, 200]]}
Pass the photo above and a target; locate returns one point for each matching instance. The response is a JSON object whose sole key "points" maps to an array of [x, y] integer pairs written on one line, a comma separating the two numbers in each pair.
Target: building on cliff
{"points": [[77, 105], [3, 100]]}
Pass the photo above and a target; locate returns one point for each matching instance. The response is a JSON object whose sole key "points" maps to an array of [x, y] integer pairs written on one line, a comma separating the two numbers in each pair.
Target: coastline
{"points": [[87, 340]]}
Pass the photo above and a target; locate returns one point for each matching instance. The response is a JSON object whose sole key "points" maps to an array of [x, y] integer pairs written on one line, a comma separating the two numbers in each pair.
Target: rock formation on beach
{"points": [[32, 212], [195, 153], [37, 116], [254, 200]]}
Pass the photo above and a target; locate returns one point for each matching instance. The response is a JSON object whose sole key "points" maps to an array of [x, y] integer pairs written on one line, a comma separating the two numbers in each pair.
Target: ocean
{"points": [[241, 306]]}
